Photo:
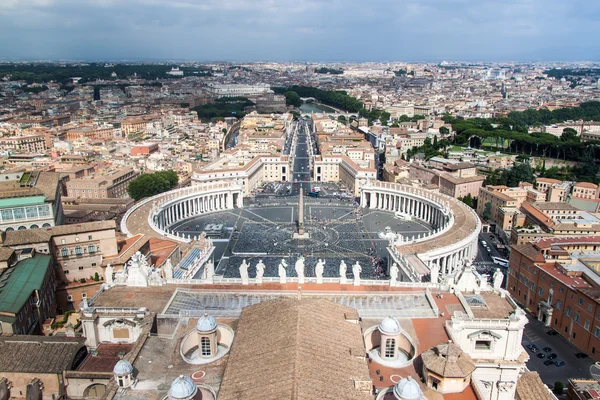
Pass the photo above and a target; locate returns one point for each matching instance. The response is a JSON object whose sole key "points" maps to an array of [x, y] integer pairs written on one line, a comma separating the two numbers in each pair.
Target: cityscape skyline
{"points": [[314, 31]]}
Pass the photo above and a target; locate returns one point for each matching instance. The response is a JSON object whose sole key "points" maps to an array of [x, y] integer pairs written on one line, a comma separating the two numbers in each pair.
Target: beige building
{"points": [[78, 250], [96, 133], [24, 144], [240, 165], [585, 190], [111, 185]]}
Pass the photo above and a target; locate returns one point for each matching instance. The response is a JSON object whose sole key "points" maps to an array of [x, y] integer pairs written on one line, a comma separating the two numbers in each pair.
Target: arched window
{"points": [[78, 251], [22, 228], [205, 346], [64, 252], [34, 226], [46, 225], [91, 248], [390, 347]]}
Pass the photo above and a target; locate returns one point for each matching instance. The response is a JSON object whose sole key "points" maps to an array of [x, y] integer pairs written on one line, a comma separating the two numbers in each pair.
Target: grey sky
{"points": [[313, 30]]}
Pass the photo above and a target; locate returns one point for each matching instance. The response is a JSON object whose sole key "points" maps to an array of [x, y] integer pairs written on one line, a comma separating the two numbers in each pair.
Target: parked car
{"points": [[559, 363], [581, 355], [541, 355], [552, 356], [547, 349], [552, 332], [548, 362]]}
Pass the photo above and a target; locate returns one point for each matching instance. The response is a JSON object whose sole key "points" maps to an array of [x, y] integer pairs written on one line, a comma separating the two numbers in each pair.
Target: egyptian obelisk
{"points": [[301, 234]]}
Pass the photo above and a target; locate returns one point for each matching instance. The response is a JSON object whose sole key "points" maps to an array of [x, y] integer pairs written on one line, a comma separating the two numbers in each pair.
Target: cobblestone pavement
{"points": [[337, 232]]}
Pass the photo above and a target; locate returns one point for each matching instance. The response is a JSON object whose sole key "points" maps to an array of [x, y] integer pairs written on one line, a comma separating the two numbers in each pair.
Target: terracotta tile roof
{"points": [[531, 387], [307, 354], [38, 354], [40, 235], [448, 361]]}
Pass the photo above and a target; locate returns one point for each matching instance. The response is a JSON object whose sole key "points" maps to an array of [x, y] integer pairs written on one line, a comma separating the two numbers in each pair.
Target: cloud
{"points": [[298, 30]]}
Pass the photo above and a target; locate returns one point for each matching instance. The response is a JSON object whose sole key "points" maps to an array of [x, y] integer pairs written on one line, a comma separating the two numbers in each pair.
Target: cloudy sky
{"points": [[302, 30]]}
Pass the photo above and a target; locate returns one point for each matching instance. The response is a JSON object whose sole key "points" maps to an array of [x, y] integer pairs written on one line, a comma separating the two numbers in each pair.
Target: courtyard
{"points": [[338, 230]]}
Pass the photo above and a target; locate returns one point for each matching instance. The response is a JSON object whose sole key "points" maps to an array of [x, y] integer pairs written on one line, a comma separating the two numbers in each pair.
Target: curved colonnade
{"points": [[442, 253], [166, 209]]}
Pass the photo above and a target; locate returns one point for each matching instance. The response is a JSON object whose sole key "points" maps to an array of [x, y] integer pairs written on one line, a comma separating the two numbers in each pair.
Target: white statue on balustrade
{"points": [[498, 278], [260, 271], [319, 268], [435, 272], [394, 274], [168, 269], [209, 271], [244, 272], [356, 270], [137, 270], [108, 275], [343, 272], [282, 271], [155, 277], [299, 267]]}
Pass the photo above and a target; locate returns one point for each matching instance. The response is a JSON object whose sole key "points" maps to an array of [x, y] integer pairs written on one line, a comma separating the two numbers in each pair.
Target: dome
{"points": [[182, 388], [390, 326], [206, 323], [408, 389], [123, 367]]}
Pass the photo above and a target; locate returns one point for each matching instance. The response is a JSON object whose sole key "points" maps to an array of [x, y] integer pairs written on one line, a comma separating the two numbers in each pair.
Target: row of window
{"points": [[14, 214], [78, 251]]}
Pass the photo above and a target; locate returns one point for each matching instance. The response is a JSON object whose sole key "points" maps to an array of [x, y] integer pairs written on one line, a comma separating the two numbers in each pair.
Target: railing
{"points": [[220, 280]]}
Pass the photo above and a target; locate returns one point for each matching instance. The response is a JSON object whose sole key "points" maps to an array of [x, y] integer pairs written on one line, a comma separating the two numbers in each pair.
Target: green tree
{"points": [[96, 277], [569, 135], [147, 185], [487, 211], [444, 130], [292, 99]]}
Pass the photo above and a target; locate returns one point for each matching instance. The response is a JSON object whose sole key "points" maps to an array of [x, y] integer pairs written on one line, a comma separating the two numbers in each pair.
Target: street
{"points": [[536, 333]]}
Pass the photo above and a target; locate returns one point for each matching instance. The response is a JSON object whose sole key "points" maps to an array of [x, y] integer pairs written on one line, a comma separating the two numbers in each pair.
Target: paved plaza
{"points": [[338, 231], [223, 304]]}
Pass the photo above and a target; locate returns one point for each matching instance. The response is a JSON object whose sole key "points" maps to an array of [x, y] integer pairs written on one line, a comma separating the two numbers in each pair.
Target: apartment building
{"points": [[505, 202], [585, 190], [89, 132], [558, 279], [112, 184], [133, 126], [24, 144]]}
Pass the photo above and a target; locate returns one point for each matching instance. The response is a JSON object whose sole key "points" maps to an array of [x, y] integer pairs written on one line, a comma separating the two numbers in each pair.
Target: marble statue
{"points": [[244, 272], [497, 279], [168, 269], [319, 268], [138, 270], [260, 271], [299, 267], [108, 274], [155, 278], [343, 272], [356, 270], [394, 274], [435, 273], [209, 271], [282, 269]]}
